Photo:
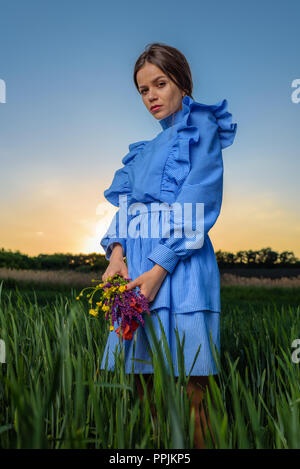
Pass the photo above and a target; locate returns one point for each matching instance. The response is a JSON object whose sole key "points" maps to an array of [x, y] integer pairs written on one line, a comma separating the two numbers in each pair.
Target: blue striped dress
{"points": [[181, 167]]}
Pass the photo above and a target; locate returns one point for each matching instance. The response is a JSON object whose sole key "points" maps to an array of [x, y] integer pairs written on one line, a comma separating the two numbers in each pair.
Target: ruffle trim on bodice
{"points": [[121, 183]]}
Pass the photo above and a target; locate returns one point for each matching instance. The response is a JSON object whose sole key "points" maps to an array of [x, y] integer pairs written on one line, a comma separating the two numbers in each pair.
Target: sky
{"points": [[71, 109]]}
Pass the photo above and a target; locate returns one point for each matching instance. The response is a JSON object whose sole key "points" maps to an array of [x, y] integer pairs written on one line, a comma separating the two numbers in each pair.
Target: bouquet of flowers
{"points": [[118, 304]]}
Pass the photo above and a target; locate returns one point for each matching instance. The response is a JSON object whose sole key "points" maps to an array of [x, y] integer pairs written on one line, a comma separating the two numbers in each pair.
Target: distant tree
{"points": [[287, 257], [267, 256], [241, 257], [252, 256], [15, 260]]}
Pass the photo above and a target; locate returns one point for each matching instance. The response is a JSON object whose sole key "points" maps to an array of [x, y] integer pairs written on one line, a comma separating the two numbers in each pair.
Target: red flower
{"points": [[133, 302], [127, 334], [134, 325]]}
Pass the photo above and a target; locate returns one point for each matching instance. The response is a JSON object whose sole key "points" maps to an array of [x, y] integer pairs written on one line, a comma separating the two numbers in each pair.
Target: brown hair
{"points": [[171, 61]]}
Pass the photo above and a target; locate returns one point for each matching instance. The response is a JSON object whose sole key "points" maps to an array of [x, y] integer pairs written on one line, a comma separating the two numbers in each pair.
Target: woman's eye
{"points": [[161, 83]]}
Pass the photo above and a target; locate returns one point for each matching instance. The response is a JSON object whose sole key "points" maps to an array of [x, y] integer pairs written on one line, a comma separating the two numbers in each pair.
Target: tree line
{"points": [[265, 257]]}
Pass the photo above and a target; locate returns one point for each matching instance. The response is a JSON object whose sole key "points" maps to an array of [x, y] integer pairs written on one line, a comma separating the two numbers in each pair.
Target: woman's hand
{"points": [[149, 282], [116, 264]]}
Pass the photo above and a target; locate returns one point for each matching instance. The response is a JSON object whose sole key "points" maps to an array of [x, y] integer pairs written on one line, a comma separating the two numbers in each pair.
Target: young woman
{"points": [[182, 164]]}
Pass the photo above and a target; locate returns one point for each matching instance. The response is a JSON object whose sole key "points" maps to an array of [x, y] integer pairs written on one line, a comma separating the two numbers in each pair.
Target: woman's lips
{"points": [[156, 108]]}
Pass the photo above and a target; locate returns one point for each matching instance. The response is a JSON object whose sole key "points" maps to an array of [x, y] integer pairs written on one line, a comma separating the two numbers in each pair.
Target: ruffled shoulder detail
{"points": [[191, 123], [121, 181], [226, 128]]}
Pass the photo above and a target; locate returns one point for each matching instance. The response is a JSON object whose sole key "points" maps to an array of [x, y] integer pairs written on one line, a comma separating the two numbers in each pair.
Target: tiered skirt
{"points": [[197, 327]]}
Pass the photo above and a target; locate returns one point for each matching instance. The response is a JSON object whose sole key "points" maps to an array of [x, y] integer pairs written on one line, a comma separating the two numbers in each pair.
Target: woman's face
{"points": [[157, 89]]}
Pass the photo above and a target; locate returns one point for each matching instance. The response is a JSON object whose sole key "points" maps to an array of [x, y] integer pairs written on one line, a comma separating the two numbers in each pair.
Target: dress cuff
{"points": [[110, 246], [165, 257]]}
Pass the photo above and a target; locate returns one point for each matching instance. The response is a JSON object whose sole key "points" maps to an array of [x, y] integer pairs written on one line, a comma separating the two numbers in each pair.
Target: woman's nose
{"points": [[152, 97]]}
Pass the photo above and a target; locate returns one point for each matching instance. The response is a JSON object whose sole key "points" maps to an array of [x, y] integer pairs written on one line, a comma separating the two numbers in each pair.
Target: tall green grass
{"points": [[53, 395]]}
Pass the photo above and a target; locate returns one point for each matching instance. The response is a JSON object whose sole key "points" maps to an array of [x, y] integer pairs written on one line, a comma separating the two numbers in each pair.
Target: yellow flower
{"points": [[122, 288], [93, 313], [111, 328], [99, 303], [77, 298]]}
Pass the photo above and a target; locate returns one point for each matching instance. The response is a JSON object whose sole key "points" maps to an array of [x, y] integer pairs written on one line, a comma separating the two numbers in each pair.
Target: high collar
{"points": [[176, 117]]}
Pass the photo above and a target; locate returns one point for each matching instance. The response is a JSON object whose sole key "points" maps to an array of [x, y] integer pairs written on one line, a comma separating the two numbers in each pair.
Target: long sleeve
{"points": [[203, 185], [115, 233], [120, 191], [112, 236]]}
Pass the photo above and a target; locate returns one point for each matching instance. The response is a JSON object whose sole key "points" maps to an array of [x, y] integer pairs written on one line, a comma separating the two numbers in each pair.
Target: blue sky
{"points": [[72, 110]]}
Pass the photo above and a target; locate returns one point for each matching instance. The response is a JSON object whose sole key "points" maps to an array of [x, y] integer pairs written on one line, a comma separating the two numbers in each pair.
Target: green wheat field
{"points": [[53, 395]]}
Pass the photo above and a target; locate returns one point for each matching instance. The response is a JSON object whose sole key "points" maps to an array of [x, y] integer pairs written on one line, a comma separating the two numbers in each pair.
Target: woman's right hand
{"points": [[116, 264]]}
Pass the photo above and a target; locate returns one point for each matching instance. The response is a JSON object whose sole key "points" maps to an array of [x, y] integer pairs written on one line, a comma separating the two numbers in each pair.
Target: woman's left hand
{"points": [[149, 282]]}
